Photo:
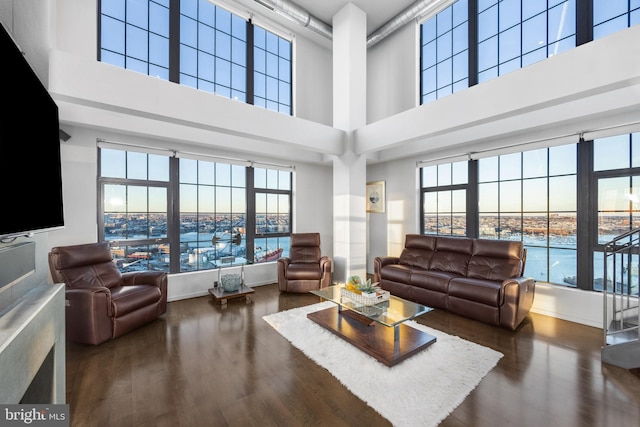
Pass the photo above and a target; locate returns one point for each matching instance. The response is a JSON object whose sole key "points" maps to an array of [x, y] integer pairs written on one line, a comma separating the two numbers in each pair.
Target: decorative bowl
{"points": [[231, 282]]}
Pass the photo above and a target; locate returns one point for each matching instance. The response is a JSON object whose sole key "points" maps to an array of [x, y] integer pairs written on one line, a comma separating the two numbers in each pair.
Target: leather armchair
{"points": [[305, 268], [102, 303]]}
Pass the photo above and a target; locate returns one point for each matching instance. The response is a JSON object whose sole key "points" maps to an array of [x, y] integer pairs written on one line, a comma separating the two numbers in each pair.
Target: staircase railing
{"points": [[621, 313]]}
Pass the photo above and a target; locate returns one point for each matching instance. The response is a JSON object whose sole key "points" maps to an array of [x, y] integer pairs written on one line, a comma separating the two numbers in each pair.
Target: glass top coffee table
{"points": [[379, 330]]}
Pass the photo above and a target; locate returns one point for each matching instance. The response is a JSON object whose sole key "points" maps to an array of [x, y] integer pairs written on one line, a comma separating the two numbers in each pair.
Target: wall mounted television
{"points": [[30, 171]]}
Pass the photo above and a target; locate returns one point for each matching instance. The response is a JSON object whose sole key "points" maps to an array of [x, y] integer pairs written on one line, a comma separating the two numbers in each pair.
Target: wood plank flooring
{"points": [[202, 365]]}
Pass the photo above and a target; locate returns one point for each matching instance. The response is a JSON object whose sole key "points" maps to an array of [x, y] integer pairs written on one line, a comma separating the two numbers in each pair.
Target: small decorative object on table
{"points": [[364, 292], [230, 282]]}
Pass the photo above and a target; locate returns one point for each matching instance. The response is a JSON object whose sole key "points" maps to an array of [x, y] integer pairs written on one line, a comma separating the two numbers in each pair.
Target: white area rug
{"points": [[420, 391]]}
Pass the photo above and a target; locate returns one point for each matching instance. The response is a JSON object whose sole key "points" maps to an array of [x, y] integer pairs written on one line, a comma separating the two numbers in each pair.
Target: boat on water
{"points": [[269, 255]]}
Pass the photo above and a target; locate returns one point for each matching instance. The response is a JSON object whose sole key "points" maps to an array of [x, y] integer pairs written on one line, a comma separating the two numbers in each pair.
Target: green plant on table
{"points": [[356, 283]]}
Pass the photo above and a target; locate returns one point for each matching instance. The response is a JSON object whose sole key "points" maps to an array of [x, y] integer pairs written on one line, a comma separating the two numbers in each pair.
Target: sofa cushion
{"points": [[304, 271], [127, 299], [493, 268], [452, 255], [433, 280], [496, 260], [396, 273], [486, 292], [419, 241], [416, 257]]}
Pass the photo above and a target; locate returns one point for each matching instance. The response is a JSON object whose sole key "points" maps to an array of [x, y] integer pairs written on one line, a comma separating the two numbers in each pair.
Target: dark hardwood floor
{"points": [[201, 365]]}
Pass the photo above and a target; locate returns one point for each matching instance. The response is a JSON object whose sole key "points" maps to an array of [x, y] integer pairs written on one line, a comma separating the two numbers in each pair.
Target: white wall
{"points": [[392, 74], [313, 81], [387, 230]]}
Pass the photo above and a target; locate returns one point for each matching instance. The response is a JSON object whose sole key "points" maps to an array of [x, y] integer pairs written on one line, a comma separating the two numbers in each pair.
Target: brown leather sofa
{"points": [[305, 269], [102, 303], [477, 278]]}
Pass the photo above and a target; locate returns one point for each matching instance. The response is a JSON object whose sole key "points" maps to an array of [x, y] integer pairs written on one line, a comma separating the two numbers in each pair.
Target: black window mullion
{"points": [[250, 64], [250, 220], [473, 215], [584, 22], [473, 43], [173, 232], [174, 42], [586, 236]]}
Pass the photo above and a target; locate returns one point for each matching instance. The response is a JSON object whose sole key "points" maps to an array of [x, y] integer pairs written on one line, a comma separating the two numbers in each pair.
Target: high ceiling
{"points": [[378, 11]]}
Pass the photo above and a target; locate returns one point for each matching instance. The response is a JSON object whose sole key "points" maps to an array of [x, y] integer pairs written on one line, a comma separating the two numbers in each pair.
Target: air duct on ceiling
{"points": [[299, 15], [422, 9]]}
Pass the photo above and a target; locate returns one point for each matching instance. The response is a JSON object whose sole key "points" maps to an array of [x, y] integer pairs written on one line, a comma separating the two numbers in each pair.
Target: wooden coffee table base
{"points": [[388, 345], [218, 294]]}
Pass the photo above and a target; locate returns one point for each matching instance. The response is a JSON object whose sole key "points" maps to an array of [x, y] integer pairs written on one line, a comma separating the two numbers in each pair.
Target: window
{"points": [[610, 16], [272, 75], [135, 35], [211, 51], [211, 224], [531, 197], [516, 33], [617, 176], [213, 214], [445, 52], [135, 208], [273, 213], [444, 199]]}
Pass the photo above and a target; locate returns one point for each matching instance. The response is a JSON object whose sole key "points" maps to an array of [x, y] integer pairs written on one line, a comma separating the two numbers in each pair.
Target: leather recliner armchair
{"points": [[102, 303], [305, 268]]}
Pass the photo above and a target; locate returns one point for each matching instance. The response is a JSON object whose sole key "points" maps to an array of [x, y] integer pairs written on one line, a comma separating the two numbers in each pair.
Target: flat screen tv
{"points": [[29, 148]]}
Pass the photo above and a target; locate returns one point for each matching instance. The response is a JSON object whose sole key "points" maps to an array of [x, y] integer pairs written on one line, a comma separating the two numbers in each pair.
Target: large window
{"points": [[273, 213], [135, 35], [179, 214], [272, 75], [531, 197], [445, 52], [616, 165], [565, 203], [526, 196], [213, 49], [494, 37], [516, 33]]}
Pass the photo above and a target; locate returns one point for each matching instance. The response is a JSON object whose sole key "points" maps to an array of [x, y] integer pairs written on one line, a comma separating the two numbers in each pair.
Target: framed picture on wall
{"points": [[375, 196]]}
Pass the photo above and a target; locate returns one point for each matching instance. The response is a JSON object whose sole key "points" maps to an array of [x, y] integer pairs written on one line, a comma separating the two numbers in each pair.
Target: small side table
{"points": [[219, 294]]}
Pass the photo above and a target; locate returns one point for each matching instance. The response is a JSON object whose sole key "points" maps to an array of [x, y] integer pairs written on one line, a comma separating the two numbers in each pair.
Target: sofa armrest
{"points": [[325, 268], [88, 315], [154, 278], [282, 265], [158, 279], [381, 261], [517, 299], [325, 265]]}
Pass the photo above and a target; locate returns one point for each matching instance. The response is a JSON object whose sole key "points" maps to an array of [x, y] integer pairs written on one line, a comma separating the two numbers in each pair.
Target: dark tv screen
{"points": [[29, 148]]}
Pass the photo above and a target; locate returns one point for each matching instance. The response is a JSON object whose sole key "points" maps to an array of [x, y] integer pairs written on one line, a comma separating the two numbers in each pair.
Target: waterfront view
{"points": [[207, 241], [550, 241]]}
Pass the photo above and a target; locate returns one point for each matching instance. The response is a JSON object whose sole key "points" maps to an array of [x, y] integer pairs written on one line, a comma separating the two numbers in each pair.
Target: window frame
{"points": [[285, 89], [173, 236]]}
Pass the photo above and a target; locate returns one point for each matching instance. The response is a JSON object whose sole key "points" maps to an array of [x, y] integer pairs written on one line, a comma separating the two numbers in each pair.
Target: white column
{"points": [[349, 169]]}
